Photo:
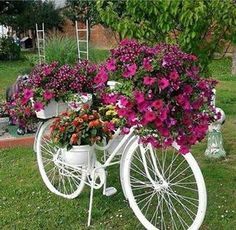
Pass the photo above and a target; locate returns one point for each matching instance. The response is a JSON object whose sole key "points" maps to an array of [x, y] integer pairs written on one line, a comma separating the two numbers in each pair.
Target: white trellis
{"points": [[82, 40], [40, 34]]}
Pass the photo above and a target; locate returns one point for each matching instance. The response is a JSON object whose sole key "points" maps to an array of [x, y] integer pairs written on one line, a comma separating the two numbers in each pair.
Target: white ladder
{"points": [[83, 41], [40, 43]]}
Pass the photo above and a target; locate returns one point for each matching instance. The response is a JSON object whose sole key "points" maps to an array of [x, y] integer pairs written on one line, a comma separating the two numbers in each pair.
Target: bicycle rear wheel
{"points": [[175, 196], [60, 178]]}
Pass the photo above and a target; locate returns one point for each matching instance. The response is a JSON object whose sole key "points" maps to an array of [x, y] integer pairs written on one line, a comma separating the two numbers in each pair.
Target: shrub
{"points": [[61, 49], [9, 50]]}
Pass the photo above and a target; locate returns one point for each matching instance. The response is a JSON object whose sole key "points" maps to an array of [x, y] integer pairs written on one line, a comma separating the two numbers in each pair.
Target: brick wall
{"points": [[100, 37]]}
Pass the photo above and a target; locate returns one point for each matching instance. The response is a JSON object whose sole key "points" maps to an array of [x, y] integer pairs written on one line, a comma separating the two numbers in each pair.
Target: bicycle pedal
{"points": [[110, 191]]}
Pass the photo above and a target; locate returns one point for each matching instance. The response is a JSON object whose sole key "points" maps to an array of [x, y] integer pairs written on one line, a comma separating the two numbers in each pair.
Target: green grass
{"points": [[25, 202]]}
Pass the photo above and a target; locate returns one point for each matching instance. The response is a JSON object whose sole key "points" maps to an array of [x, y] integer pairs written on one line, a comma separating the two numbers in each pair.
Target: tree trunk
{"points": [[234, 60]]}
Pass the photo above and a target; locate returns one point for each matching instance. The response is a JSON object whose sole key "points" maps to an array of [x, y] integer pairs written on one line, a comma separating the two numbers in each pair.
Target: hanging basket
{"points": [[79, 155], [53, 109]]}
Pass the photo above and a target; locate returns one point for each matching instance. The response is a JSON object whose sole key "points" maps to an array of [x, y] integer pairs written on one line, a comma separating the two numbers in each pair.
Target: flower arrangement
{"points": [[79, 128], [49, 81], [20, 109], [161, 93]]}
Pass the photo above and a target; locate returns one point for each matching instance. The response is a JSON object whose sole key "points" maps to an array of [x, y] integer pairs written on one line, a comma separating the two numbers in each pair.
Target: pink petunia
{"points": [[157, 104], [109, 98], [184, 150], [163, 83], [111, 65], [130, 71], [174, 75], [28, 93], [38, 106], [47, 95], [187, 89], [163, 114], [147, 64], [101, 77], [149, 116], [149, 80], [139, 97]]}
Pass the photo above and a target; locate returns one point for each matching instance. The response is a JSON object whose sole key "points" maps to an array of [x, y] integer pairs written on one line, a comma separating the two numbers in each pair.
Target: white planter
{"points": [[77, 156], [53, 109]]}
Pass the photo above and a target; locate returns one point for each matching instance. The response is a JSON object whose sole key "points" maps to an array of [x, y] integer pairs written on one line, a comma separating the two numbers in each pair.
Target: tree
{"points": [[199, 26], [23, 15], [82, 10]]}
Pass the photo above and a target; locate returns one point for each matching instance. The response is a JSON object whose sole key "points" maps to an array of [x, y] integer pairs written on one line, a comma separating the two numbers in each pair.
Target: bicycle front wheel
{"points": [[60, 178], [165, 189]]}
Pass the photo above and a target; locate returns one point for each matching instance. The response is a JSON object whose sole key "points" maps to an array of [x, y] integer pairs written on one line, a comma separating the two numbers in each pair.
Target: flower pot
{"points": [[79, 100], [53, 109], [79, 155]]}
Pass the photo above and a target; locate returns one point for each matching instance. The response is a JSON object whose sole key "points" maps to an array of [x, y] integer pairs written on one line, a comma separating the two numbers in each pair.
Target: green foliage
{"points": [[23, 15], [199, 26], [61, 49], [9, 50], [81, 10]]}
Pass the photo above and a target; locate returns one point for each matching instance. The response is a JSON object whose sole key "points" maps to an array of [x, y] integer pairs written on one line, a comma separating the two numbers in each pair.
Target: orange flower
{"points": [[74, 139]]}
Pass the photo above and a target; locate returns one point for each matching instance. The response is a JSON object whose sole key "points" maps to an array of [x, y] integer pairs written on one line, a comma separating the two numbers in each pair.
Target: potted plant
{"points": [[161, 92], [76, 132], [51, 86]]}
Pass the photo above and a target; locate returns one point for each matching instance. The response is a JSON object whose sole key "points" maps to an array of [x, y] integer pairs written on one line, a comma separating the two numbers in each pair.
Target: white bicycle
{"points": [[165, 189]]}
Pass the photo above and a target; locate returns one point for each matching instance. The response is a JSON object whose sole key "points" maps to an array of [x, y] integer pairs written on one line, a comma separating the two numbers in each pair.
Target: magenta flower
{"points": [[157, 104], [187, 89], [130, 71], [139, 97], [184, 150], [101, 77], [38, 106], [174, 75], [111, 65], [163, 114], [109, 98], [124, 102], [24, 100], [149, 80], [28, 93], [149, 116], [47, 95], [147, 64], [163, 83]]}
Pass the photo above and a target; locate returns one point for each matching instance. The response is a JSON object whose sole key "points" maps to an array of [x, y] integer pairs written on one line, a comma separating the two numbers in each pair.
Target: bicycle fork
{"points": [[161, 183]]}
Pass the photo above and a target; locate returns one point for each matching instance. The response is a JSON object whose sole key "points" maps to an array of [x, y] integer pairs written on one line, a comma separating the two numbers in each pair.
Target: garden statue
{"points": [[215, 147]]}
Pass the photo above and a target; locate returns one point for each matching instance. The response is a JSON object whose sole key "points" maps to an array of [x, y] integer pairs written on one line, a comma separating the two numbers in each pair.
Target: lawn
{"points": [[25, 202]]}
